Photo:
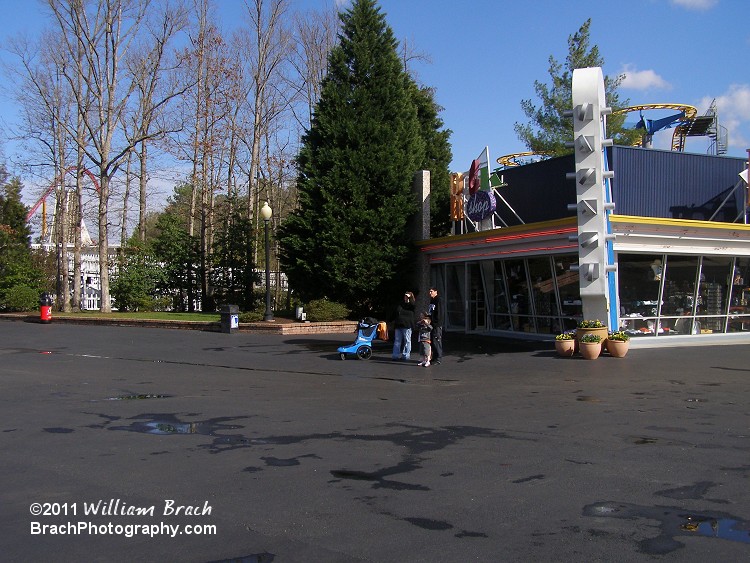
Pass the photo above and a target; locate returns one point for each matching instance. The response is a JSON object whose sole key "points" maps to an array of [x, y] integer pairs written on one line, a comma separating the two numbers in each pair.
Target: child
{"points": [[424, 326]]}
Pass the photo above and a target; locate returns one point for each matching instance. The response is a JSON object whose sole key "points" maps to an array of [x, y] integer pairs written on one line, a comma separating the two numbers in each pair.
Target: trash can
{"points": [[45, 308], [230, 318]]}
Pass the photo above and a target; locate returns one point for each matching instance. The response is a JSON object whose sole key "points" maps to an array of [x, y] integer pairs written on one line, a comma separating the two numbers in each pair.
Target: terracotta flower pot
{"points": [[617, 348], [565, 348], [590, 350], [601, 331]]}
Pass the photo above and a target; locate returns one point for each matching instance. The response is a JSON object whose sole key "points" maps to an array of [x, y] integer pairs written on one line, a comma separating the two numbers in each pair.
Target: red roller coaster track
{"points": [[55, 183]]}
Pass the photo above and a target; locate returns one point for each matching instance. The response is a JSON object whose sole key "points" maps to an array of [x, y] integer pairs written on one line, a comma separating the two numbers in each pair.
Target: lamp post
{"points": [[266, 213]]}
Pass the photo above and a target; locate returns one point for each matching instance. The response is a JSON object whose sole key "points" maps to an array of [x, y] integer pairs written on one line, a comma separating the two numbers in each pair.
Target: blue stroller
{"points": [[367, 330]]}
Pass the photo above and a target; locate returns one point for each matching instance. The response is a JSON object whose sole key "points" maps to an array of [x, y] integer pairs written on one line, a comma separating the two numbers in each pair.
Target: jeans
{"points": [[401, 343], [437, 343]]}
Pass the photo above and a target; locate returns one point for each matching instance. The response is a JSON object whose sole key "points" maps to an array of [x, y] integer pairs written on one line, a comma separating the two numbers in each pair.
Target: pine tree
{"points": [[233, 272], [20, 281], [437, 159], [174, 247], [549, 129], [349, 240]]}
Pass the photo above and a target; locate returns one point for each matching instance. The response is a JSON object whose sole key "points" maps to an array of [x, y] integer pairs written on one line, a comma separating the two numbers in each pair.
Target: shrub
{"points": [[251, 316], [323, 310], [20, 298]]}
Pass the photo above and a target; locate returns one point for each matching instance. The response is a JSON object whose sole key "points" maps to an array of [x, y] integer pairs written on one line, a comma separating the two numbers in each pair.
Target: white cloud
{"points": [[733, 109], [642, 79], [695, 4]]}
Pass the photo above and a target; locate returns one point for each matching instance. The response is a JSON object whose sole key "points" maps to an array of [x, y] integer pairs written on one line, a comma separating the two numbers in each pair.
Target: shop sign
{"points": [[481, 205]]}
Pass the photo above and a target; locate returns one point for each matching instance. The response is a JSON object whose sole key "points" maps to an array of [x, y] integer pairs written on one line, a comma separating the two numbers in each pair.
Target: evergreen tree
{"points": [[549, 130], [437, 159], [233, 273], [349, 238], [136, 286], [20, 281], [178, 251]]}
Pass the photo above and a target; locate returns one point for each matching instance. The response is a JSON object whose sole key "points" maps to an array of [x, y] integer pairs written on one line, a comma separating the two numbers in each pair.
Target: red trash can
{"points": [[45, 308]]}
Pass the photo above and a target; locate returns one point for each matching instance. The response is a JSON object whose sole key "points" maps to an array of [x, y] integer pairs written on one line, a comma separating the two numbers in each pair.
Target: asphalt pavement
{"points": [[140, 444]]}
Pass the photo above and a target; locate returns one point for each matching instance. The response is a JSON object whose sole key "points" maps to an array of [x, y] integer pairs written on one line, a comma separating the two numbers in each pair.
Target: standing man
{"points": [[435, 311], [403, 325]]}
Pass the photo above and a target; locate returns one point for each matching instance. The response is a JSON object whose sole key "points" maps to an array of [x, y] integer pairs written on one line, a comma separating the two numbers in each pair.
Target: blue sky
{"points": [[486, 54]]}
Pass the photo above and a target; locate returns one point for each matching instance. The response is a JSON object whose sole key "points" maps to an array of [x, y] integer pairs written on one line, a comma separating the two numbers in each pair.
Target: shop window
{"points": [[678, 307], [455, 295], [569, 289], [739, 304], [520, 300], [716, 277], [544, 300], [500, 301], [477, 302], [663, 295], [640, 285]]}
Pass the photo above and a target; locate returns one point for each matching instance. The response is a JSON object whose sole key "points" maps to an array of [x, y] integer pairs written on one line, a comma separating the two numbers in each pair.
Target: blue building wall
{"points": [[656, 183], [647, 182]]}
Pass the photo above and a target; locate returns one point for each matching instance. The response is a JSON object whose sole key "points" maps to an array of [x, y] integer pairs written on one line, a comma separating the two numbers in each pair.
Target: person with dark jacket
{"points": [[435, 311], [402, 327]]}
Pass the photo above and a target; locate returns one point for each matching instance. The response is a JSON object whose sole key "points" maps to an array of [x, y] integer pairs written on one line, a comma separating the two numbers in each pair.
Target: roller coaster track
{"points": [[690, 111], [54, 184], [681, 131], [510, 160]]}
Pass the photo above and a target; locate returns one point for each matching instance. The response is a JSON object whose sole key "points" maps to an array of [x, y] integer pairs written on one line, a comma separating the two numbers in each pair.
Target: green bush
{"points": [[20, 298], [150, 304], [251, 316], [322, 310]]}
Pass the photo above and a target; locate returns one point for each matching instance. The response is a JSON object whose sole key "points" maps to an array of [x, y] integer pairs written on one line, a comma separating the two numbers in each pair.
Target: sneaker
{"points": [[420, 364], [437, 362], [427, 364]]}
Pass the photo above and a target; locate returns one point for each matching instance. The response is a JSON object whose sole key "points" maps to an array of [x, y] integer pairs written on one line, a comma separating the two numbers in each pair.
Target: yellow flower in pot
{"points": [[565, 344], [618, 344], [591, 327]]}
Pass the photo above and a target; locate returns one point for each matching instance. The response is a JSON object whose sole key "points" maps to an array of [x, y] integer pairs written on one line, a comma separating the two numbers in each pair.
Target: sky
{"points": [[484, 56]]}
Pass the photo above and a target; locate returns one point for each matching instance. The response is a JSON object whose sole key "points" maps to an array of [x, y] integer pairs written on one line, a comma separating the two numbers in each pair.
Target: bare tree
{"points": [[97, 36], [153, 71], [315, 36], [213, 73], [104, 32], [47, 106], [269, 47]]}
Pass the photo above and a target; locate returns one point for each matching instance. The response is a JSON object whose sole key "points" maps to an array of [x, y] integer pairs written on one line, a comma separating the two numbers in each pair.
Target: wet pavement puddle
{"points": [[171, 425], [138, 397], [674, 522], [264, 557]]}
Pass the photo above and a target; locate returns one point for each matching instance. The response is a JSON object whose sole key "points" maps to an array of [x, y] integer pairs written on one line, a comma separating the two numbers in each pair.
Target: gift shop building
{"points": [[653, 242]]}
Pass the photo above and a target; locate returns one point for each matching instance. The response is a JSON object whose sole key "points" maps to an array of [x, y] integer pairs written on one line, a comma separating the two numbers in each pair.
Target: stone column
{"points": [[421, 231]]}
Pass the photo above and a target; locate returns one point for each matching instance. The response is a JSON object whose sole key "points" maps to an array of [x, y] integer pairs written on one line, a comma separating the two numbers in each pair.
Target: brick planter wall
{"points": [[276, 327]]}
